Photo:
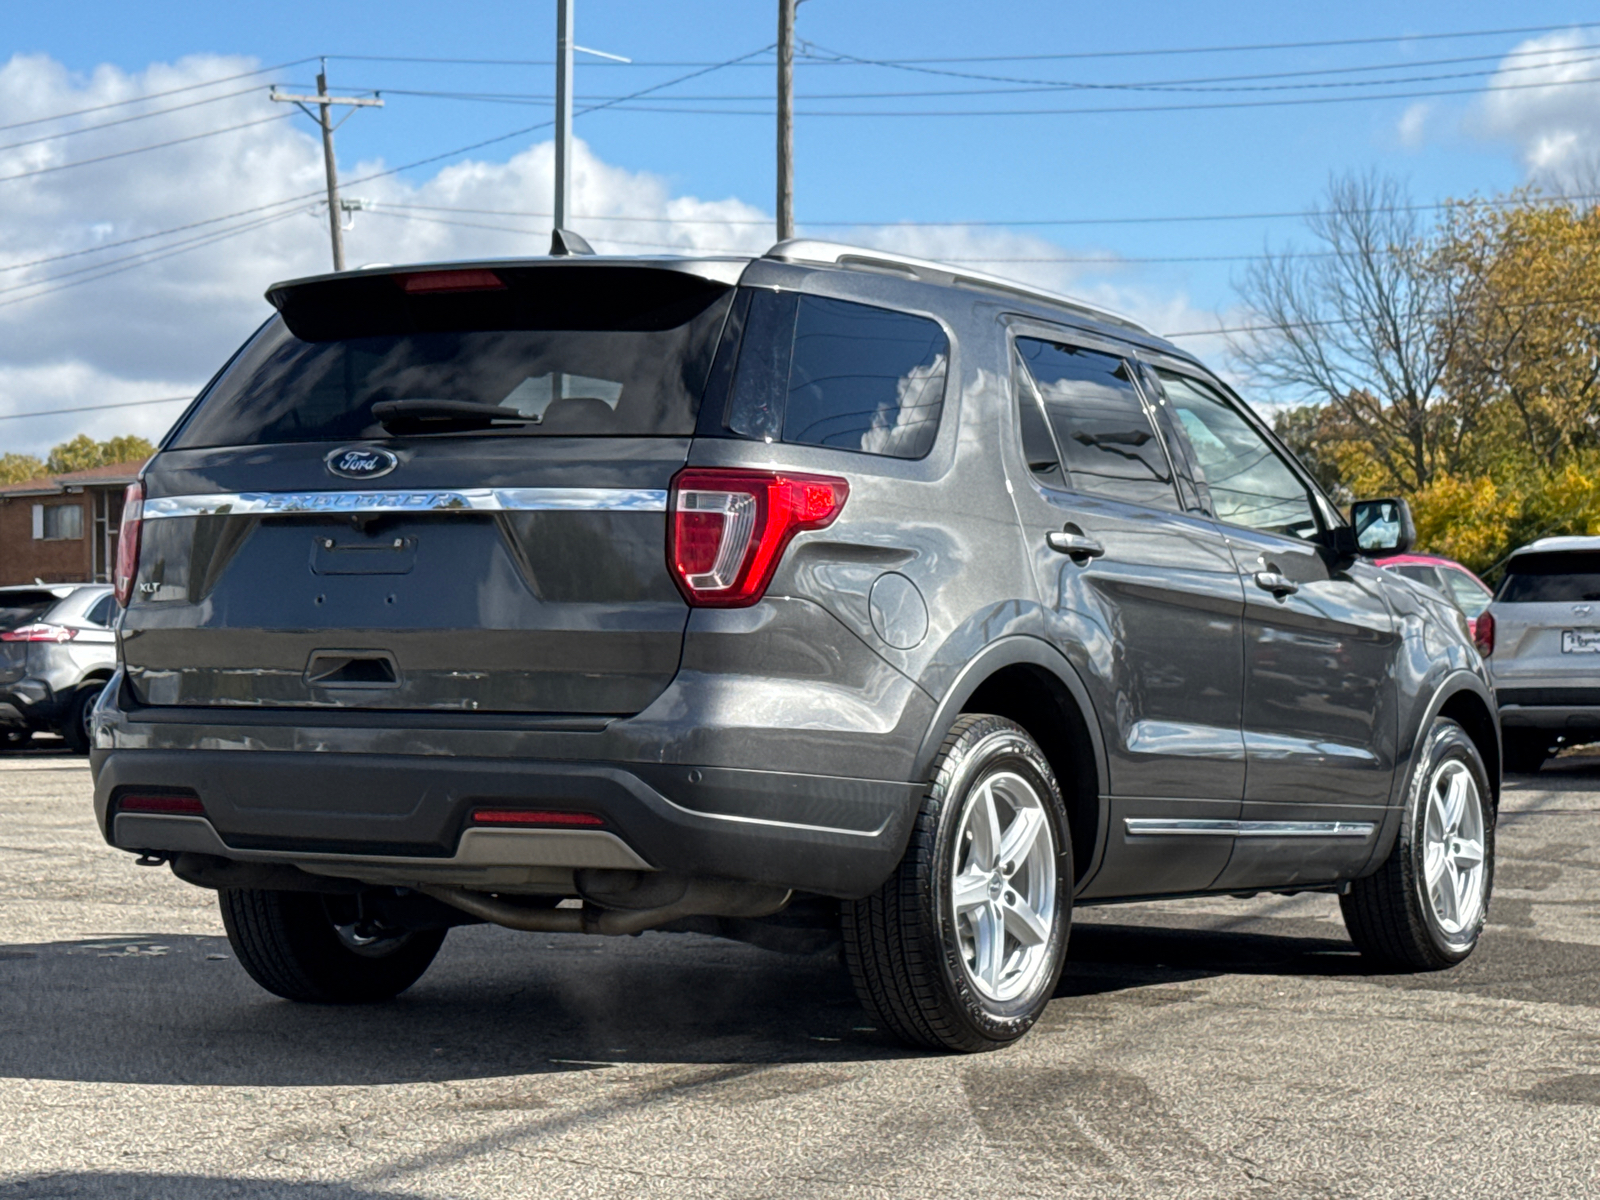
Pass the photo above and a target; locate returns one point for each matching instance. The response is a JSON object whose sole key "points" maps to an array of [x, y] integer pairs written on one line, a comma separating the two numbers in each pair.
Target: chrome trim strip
{"points": [[1159, 827], [1334, 829], [390, 501], [1153, 826]]}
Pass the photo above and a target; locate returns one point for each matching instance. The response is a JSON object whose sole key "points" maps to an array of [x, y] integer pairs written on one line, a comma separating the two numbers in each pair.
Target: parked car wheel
{"points": [[962, 947], [14, 739], [301, 946], [1524, 750], [78, 729], [1425, 908]]}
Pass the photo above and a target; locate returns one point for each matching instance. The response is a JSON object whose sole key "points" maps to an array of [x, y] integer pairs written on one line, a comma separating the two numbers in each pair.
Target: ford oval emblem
{"points": [[361, 462]]}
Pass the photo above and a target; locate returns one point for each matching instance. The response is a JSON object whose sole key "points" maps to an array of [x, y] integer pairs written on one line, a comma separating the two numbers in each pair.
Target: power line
{"points": [[159, 253], [154, 256], [1073, 56], [1047, 221], [203, 238], [1025, 86], [53, 412], [193, 137], [1202, 84], [145, 237], [78, 112], [1104, 109], [160, 112]]}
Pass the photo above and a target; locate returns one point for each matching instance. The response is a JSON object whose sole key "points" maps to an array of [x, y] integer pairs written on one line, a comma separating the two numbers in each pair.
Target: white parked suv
{"points": [[1543, 642]]}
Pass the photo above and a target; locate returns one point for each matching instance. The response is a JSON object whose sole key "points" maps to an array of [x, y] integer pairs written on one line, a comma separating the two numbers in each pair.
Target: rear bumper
{"points": [[31, 704], [404, 819], [1574, 710]]}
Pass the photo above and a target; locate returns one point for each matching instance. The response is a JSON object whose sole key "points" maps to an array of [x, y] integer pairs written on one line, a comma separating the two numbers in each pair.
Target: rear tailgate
{"points": [[1547, 620], [514, 569]]}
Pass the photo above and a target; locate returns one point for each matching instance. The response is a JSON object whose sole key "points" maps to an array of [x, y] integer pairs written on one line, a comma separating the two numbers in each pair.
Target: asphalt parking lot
{"points": [[1216, 1049]]}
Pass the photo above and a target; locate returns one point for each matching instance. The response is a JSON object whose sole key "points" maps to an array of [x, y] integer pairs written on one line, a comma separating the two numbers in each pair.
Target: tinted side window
{"points": [[819, 372], [1038, 447], [1250, 485], [1100, 423], [103, 612], [1420, 574], [1464, 590]]}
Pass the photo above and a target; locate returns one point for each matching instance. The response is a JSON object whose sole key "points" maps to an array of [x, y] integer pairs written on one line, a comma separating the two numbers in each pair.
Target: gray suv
{"points": [[1543, 634], [829, 590], [57, 652]]}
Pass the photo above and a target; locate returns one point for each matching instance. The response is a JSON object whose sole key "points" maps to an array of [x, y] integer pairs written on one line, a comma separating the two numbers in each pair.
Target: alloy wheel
{"points": [[1454, 873], [1003, 886]]}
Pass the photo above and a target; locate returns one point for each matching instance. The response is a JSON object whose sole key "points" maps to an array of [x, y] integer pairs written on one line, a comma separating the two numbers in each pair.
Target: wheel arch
{"points": [[1028, 681], [1464, 698]]}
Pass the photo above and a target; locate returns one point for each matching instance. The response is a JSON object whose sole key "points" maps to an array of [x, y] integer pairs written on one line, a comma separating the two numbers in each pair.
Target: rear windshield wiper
{"points": [[407, 412]]}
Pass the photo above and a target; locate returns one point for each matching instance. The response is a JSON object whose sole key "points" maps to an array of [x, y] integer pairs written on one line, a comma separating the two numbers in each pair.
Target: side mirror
{"points": [[1383, 526]]}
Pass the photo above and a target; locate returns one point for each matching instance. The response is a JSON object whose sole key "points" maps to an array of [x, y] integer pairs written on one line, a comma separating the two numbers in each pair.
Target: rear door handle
{"points": [[1078, 546], [1277, 583]]}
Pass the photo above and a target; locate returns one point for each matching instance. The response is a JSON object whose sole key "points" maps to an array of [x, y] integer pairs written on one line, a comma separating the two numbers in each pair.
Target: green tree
{"points": [[15, 468], [83, 453]]}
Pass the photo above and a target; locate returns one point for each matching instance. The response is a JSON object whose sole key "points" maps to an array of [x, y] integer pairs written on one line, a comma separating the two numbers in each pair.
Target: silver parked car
{"points": [[57, 650], [1543, 640]]}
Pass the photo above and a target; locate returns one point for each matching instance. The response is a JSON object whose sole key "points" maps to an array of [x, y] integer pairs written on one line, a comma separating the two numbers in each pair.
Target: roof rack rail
{"points": [[837, 254]]}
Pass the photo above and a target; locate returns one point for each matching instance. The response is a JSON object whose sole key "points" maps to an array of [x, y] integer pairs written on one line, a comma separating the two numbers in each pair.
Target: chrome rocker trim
{"points": [[266, 504], [1160, 827]]}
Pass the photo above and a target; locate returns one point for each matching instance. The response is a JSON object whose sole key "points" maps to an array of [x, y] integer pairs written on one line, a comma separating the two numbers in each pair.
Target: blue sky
{"points": [[997, 167]]}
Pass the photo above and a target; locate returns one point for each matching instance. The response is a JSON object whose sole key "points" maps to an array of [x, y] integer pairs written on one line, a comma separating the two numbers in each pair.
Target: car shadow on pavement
{"points": [[180, 1009], [1508, 964], [70, 1185]]}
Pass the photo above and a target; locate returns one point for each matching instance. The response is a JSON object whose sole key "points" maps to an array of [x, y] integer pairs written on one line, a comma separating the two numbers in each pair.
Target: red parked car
{"points": [[1464, 589]]}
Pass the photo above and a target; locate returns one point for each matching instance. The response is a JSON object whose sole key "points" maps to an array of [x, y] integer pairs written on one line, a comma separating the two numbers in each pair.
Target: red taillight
{"points": [[519, 816], [185, 804], [452, 281], [727, 530], [39, 631], [128, 542], [1483, 633]]}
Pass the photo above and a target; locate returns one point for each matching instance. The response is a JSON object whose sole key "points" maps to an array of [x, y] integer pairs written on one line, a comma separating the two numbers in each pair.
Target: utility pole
{"points": [[563, 206], [786, 118], [323, 117]]}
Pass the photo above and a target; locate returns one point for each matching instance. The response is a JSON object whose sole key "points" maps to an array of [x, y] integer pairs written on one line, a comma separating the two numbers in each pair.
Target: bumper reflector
{"points": [[166, 802], [520, 816]]}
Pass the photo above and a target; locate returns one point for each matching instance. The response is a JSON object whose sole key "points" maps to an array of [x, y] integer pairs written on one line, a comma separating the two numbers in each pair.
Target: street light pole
{"points": [[563, 204], [786, 118]]}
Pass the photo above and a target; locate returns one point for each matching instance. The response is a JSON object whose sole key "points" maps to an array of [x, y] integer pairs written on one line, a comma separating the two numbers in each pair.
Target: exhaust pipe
{"points": [[617, 903]]}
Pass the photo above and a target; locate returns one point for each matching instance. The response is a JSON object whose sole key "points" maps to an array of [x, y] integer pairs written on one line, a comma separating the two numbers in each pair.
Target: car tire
{"points": [[15, 739], [75, 730], [1424, 909], [1524, 750], [922, 950], [293, 944]]}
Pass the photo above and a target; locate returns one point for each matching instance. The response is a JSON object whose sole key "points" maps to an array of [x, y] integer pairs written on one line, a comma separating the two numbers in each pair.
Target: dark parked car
{"points": [[754, 596], [56, 653]]}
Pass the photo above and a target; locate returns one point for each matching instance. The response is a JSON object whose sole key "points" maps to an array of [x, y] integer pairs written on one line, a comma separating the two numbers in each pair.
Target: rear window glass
{"points": [[20, 608], [580, 351], [1551, 578], [1100, 423], [819, 372]]}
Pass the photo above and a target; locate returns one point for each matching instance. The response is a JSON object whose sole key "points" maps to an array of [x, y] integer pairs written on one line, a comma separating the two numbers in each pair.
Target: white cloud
{"points": [[1553, 121], [1413, 125], [161, 329]]}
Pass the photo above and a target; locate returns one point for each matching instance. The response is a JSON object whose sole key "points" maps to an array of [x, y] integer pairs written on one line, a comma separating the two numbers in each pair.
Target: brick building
{"points": [[63, 528]]}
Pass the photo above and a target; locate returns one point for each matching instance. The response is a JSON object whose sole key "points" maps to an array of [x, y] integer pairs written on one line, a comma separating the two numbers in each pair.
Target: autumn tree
{"points": [[83, 453], [15, 468], [1365, 323]]}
